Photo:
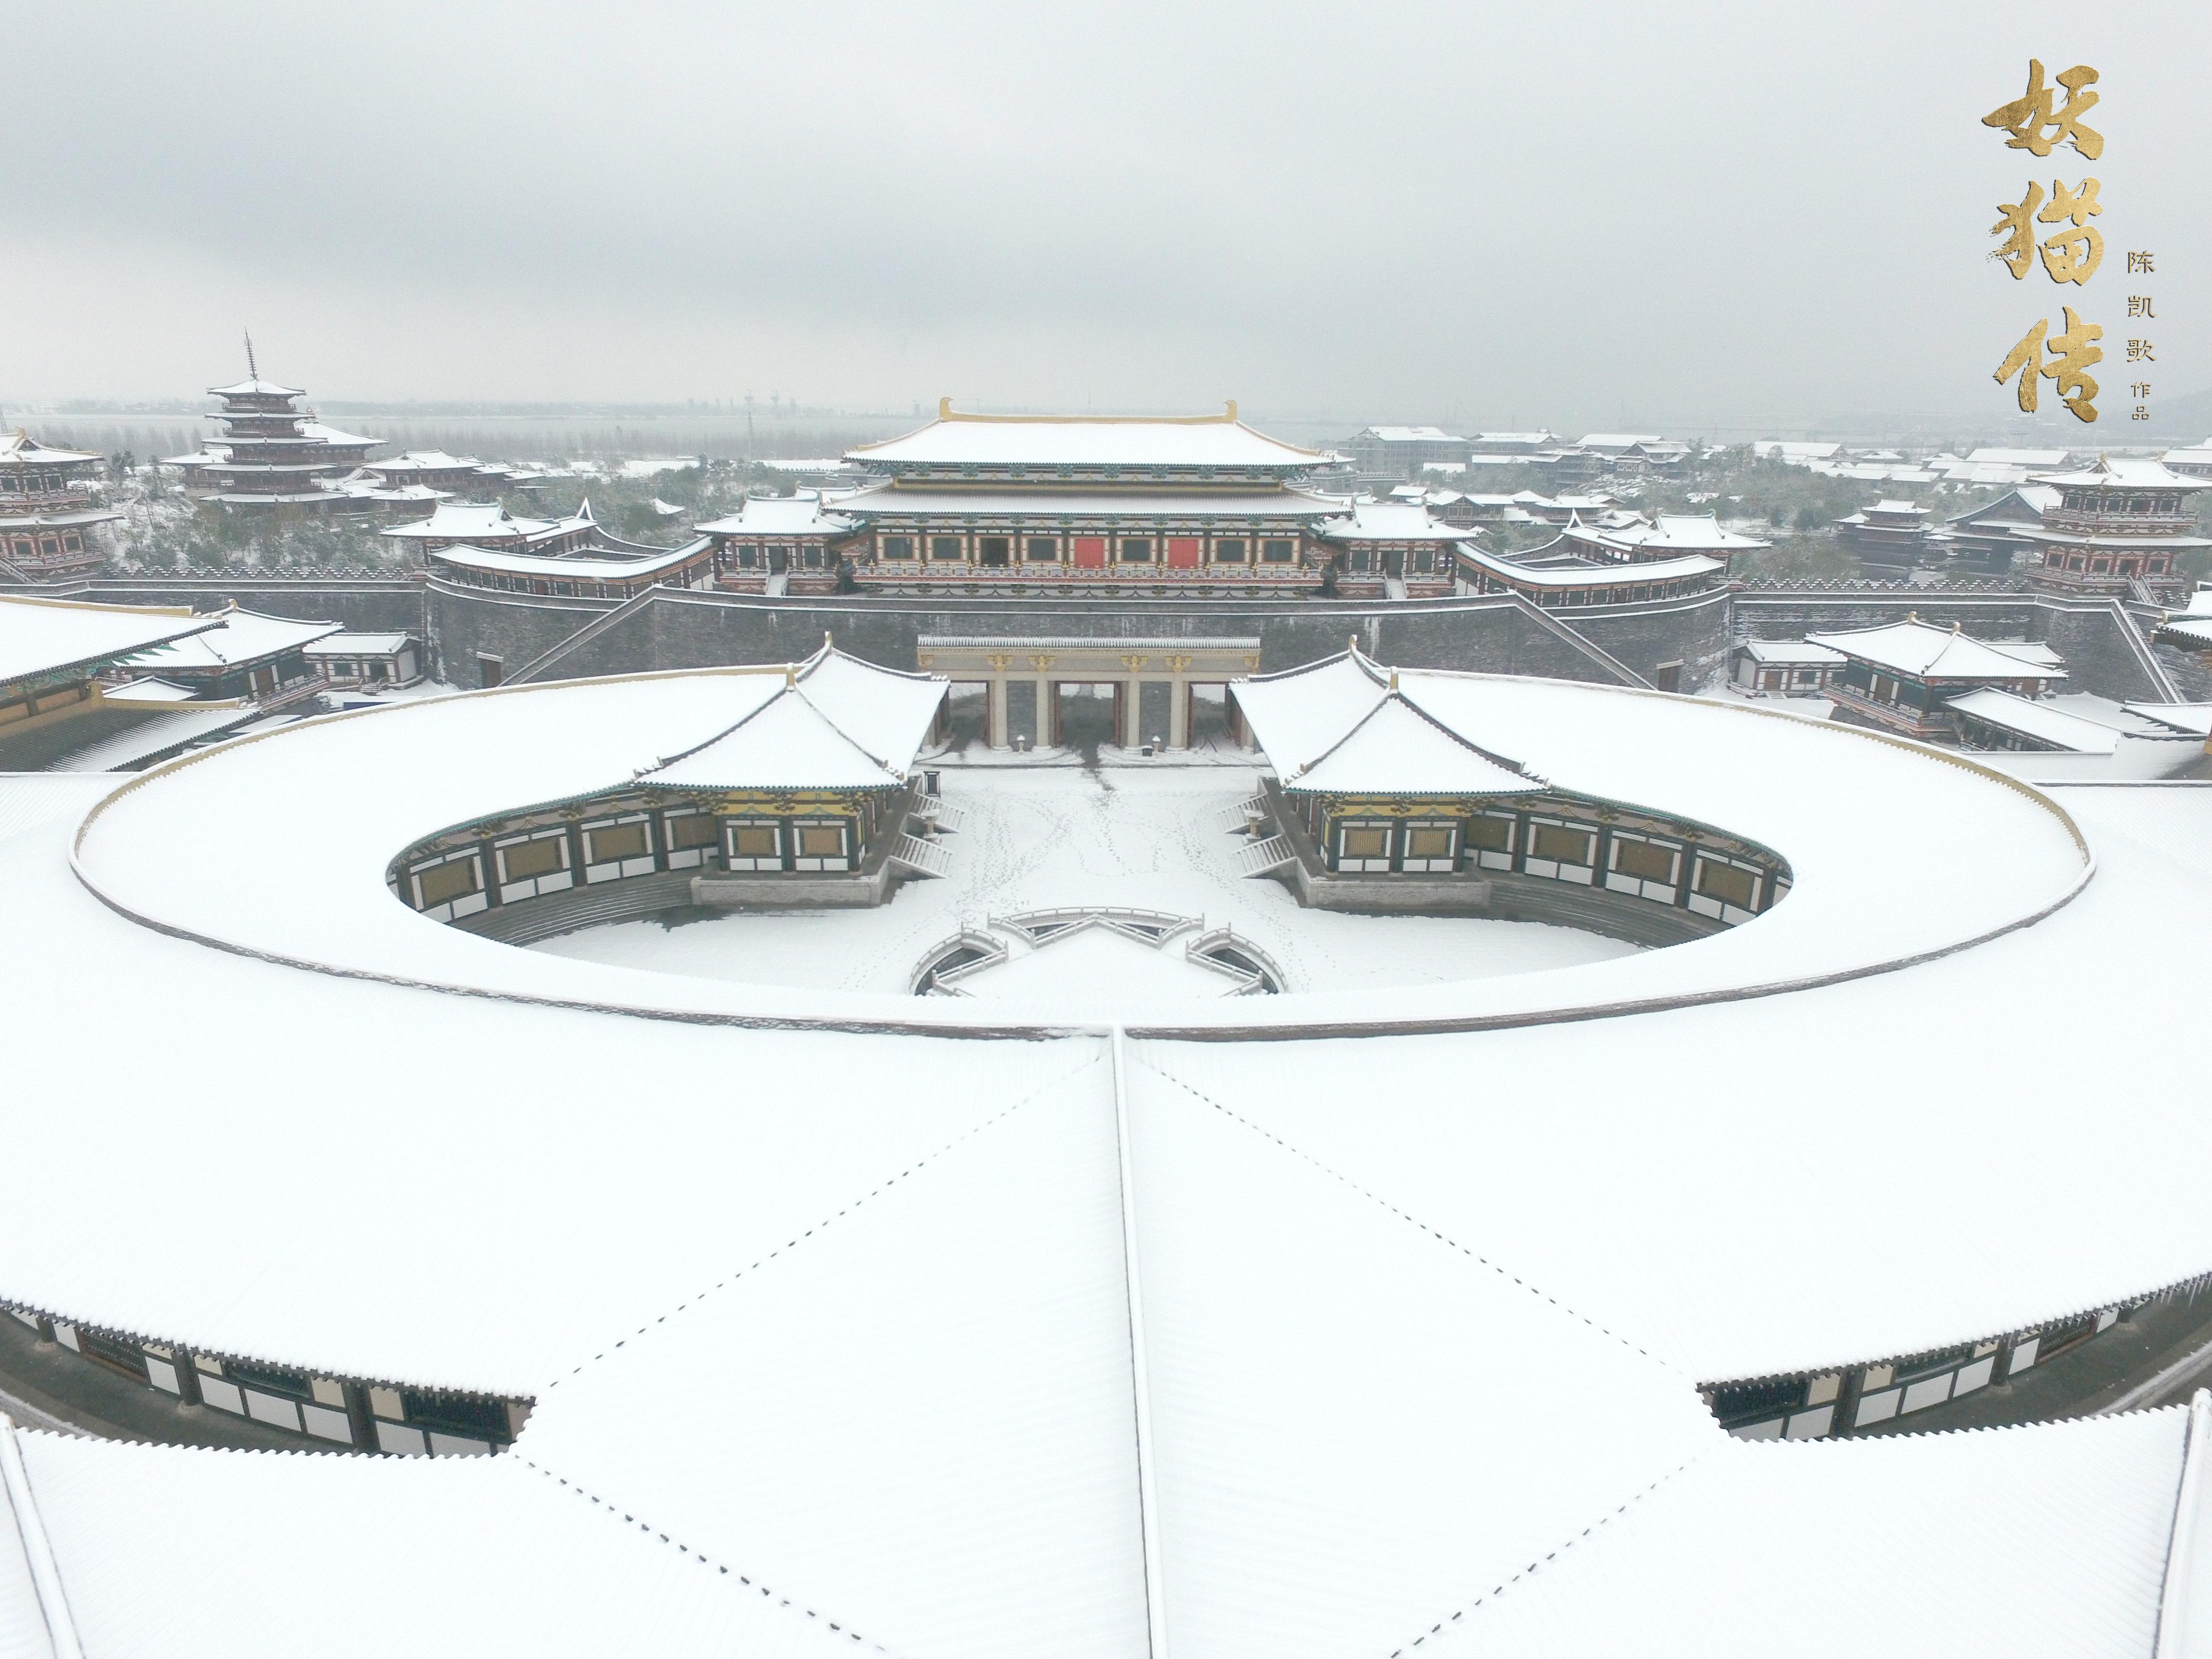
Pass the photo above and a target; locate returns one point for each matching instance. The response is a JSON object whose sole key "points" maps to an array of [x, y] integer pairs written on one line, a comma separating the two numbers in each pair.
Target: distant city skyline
{"points": [[1588, 218]]}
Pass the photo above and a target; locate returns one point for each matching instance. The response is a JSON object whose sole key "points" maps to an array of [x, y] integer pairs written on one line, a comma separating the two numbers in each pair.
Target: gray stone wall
{"points": [[1693, 632], [370, 605], [516, 628], [684, 629], [2191, 671]]}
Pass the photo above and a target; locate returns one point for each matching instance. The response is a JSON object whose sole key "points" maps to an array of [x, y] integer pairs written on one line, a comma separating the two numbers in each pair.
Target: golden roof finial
{"points": [[944, 408], [1393, 679], [790, 675]]}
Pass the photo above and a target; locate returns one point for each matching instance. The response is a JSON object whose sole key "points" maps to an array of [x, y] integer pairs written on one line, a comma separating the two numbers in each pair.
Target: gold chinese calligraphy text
{"points": [[2035, 127]]}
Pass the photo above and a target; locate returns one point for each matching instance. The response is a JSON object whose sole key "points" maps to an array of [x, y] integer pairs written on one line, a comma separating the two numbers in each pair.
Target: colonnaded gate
{"points": [[1164, 691]]}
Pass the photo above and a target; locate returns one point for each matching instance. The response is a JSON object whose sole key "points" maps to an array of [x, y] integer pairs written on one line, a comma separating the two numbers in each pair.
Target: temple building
{"points": [[1889, 533], [1381, 544], [50, 517], [1669, 536], [989, 504], [244, 655], [1902, 675], [434, 469], [1381, 800], [1785, 668], [1563, 581], [1002, 504], [2117, 523], [1626, 560], [489, 525], [475, 544], [778, 544], [366, 661], [56, 715], [807, 797], [271, 454], [1400, 451], [2194, 461], [2144, 745], [1991, 534]]}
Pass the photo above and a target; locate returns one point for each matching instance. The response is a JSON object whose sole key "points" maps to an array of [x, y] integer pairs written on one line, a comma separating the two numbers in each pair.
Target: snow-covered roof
{"points": [[477, 521], [836, 723], [20, 448], [592, 564], [1926, 652], [239, 636], [2111, 473], [46, 637], [1896, 507], [1672, 534], [1412, 434], [1603, 440], [148, 688], [1396, 750], [2197, 633], [2037, 499], [347, 644], [779, 515], [189, 723], [2019, 456], [1137, 442], [1590, 573], [1097, 1344], [256, 388], [1144, 502], [2192, 718], [429, 460], [1342, 726], [1799, 653], [2039, 720], [1390, 521], [316, 431]]}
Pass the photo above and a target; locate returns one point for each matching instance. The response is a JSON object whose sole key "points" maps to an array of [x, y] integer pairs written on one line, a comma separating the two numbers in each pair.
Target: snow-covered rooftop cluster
{"points": [[857, 1320]]}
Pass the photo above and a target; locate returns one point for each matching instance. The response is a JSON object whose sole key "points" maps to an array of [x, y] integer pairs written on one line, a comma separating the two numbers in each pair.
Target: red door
{"points": [[1182, 552], [1089, 551]]}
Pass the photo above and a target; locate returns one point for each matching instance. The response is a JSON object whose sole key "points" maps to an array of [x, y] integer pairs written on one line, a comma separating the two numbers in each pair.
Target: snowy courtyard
{"points": [[1147, 836]]}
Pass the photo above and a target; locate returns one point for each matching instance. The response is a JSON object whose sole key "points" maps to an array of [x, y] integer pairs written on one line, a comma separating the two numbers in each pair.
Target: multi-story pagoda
{"points": [[272, 454], [1889, 533], [49, 515], [2116, 523]]}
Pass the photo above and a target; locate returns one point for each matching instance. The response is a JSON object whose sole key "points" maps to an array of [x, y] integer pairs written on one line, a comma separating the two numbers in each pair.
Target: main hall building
{"points": [[997, 504]]}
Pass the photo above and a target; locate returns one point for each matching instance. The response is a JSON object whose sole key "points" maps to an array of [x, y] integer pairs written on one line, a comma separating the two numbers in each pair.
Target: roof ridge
{"points": [[703, 1558], [1459, 737], [1445, 1239], [716, 737], [1534, 1566], [925, 1159]]}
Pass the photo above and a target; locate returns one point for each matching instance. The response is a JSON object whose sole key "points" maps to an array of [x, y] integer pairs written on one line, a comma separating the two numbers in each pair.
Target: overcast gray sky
{"points": [[1586, 215]]}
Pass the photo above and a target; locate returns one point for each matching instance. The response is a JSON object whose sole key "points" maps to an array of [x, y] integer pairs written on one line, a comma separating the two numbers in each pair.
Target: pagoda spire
{"points": [[252, 369]]}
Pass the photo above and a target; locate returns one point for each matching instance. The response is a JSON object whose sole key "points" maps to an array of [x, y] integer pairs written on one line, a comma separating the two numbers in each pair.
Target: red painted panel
{"points": [[1090, 550], [1182, 552]]}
